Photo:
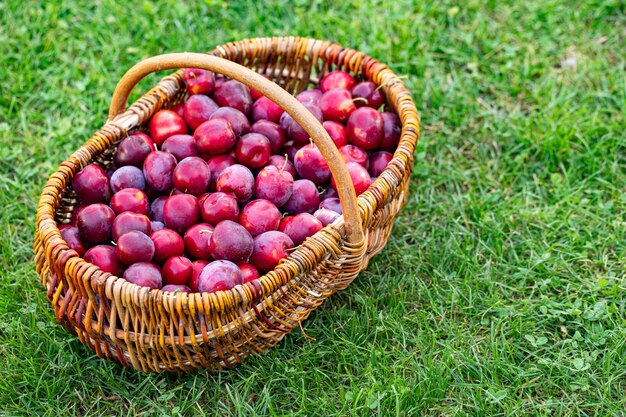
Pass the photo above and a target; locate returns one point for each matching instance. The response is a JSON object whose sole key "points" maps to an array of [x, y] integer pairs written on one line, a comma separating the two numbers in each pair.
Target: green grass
{"points": [[502, 289]]}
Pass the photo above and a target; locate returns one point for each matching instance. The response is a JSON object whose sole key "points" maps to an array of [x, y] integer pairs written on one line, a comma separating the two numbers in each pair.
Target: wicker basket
{"points": [[151, 330]]}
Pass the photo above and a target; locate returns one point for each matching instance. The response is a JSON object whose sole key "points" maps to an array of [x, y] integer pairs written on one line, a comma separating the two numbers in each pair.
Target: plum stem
{"points": [[284, 163]]}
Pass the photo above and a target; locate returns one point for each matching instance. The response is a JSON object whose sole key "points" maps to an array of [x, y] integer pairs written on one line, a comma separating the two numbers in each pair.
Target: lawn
{"points": [[502, 289]]}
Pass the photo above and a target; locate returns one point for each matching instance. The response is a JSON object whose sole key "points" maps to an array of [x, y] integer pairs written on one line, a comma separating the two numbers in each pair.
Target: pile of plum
{"points": [[226, 184]]}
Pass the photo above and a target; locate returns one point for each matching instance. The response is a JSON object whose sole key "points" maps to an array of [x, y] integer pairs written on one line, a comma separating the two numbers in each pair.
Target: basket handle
{"points": [[345, 188]]}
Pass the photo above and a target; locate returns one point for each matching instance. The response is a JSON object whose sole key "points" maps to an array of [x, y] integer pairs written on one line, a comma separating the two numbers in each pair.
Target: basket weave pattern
{"points": [[155, 331]]}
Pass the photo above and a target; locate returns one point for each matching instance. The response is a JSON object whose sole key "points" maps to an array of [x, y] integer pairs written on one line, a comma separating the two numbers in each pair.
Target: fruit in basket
{"points": [[337, 133], [238, 180], [181, 146], [132, 151], [206, 314], [266, 109], [91, 185], [294, 130], [71, 236], [392, 130], [253, 150], [105, 258], [249, 272], [180, 212], [238, 120], [127, 221], [360, 177], [215, 137], [95, 223], [135, 246], [198, 81], [300, 226], [311, 165], [167, 243], [234, 94], [272, 131], [260, 216], [230, 241], [197, 241], [145, 274], [192, 175], [158, 168], [274, 184], [336, 105], [366, 93], [336, 79], [351, 153], [127, 177], [365, 128], [304, 198], [269, 249], [326, 216], [378, 162], [130, 199], [215, 196], [177, 270], [219, 275], [166, 123], [218, 207]]}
